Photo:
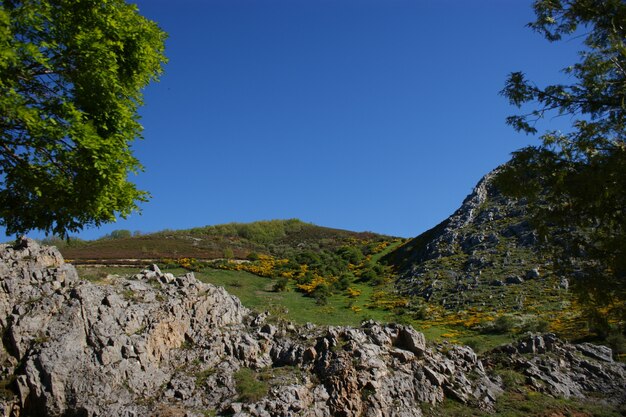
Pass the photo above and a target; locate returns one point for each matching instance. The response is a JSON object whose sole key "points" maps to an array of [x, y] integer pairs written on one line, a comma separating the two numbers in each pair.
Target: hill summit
{"points": [[231, 240]]}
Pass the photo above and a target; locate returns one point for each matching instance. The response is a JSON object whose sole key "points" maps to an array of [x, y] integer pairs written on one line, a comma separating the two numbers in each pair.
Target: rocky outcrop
{"points": [[159, 345], [486, 246], [562, 369], [470, 228]]}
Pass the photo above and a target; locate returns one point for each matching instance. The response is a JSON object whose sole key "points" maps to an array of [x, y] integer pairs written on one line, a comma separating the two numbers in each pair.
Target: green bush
{"points": [[537, 325], [502, 325], [368, 275], [351, 254], [228, 253], [512, 380], [474, 343], [119, 234], [344, 281], [419, 310], [617, 342], [280, 285], [321, 294], [249, 387]]}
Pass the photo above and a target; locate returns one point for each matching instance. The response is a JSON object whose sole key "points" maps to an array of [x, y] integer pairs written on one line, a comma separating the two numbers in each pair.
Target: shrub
{"points": [[351, 254], [280, 285], [420, 311], [368, 275], [120, 234], [617, 342], [321, 294], [190, 264], [308, 258], [475, 343], [353, 292], [228, 253], [536, 325], [502, 325], [344, 281], [248, 385], [512, 380]]}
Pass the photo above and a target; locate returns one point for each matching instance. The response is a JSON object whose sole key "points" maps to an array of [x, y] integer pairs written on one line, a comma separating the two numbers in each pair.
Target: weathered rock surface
{"points": [[159, 345], [564, 370]]}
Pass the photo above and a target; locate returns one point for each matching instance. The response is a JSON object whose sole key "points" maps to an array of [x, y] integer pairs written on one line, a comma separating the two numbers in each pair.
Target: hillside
{"points": [[233, 240], [300, 271], [156, 344], [485, 262]]}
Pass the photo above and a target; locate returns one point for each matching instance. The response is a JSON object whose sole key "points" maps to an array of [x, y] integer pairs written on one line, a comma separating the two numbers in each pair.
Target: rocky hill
{"points": [[158, 345], [486, 257]]}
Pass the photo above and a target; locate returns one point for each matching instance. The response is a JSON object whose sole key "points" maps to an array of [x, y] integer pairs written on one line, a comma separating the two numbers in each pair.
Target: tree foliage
{"points": [[71, 76], [119, 234], [576, 179]]}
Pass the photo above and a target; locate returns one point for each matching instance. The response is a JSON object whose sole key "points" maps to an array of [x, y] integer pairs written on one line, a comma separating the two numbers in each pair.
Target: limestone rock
{"points": [[562, 369]]}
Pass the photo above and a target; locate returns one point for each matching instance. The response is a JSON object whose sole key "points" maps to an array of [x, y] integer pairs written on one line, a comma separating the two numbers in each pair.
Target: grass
{"points": [[257, 293], [203, 376], [524, 403], [250, 387]]}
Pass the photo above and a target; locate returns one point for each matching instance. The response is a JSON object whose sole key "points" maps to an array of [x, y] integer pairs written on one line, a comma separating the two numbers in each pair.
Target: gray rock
{"points": [[532, 344], [602, 353], [411, 340], [533, 274], [514, 279], [560, 369]]}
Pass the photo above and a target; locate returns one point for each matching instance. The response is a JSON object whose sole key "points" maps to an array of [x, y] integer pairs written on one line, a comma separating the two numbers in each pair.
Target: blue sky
{"points": [[355, 114]]}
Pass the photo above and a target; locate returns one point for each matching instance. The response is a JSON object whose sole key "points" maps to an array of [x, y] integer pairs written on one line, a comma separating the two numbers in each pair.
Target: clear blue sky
{"points": [[355, 114]]}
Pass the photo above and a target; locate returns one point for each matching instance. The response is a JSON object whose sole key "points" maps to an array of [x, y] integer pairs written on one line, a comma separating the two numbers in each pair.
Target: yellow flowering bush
{"points": [[309, 288], [353, 292], [190, 264], [355, 309], [387, 301]]}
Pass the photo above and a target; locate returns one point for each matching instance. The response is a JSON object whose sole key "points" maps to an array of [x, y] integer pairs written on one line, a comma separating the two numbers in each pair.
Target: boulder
{"points": [[533, 274], [514, 279]]}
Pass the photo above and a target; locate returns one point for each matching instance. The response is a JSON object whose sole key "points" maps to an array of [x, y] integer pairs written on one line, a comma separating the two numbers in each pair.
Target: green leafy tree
{"points": [[119, 234], [71, 76], [575, 180]]}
